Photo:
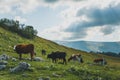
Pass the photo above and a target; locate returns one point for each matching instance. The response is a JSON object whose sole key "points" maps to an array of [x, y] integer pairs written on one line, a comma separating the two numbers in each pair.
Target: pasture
{"points": [[47, 70], [58, 71]]}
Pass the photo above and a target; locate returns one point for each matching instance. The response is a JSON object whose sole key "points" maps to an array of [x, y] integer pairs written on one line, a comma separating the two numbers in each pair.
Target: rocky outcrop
{"points": [[21, 67]]}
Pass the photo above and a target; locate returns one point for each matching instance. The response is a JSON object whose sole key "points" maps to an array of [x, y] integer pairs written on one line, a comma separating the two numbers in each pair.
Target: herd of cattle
{"points": [[55, 56]]}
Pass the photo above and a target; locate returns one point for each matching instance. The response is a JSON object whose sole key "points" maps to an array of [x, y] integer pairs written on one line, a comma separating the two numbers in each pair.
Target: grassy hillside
{"points": [[71, 71]]}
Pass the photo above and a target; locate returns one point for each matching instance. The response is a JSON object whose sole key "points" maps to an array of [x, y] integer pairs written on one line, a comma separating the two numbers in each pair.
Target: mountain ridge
{"points": [[93, 46]]}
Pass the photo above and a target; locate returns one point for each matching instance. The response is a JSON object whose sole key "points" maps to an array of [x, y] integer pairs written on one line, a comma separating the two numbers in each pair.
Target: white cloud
{"points": [[5, 7], [78, 25], [95, 34], [54, 33], [26, 6], [20, 19], [69, 17], [23, 6]]}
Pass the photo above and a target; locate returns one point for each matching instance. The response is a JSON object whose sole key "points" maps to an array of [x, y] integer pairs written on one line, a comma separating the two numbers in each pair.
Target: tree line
{"points": [[26, 31]]}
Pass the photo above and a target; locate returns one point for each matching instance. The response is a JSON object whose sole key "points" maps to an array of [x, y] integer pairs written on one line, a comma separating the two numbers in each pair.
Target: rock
{"points": [[56, 75], [24, 75], [28, 59], [44, 78], [24, 65], [21, 67], [31, 69], [38, 59], [2, 67], [4, 57], [14, 59], [3, 62]]}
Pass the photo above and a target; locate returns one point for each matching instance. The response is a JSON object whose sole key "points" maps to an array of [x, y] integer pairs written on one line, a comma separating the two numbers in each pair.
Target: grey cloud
{"points": [[99, 17], [78, 0], [51, 1], [79, 29], [76, 33], [107, 30], [108, 16]]}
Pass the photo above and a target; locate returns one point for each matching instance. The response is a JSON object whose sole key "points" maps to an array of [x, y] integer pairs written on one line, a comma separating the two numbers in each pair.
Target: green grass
{"points": [[71, 71]]}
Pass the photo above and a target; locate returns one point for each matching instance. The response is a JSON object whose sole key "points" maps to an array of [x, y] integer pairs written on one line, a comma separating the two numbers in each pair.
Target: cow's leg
{"points": [[64, 61], [103, 62], [31, 55], [81, 60], [55, 60], [52, 60], [20, 56]]}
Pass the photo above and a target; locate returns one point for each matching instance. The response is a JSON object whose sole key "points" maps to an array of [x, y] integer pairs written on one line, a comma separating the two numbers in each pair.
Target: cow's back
{"points": [[98, 60], [24, 48], [60, 54], [57, 55]]}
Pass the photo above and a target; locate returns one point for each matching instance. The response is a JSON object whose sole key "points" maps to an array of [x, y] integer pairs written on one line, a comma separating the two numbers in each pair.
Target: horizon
{"points": [[87, 41], [73, 20]]}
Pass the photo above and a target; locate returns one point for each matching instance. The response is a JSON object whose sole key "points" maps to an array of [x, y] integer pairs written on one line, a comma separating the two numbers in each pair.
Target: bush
{"points": [[20, 29]]}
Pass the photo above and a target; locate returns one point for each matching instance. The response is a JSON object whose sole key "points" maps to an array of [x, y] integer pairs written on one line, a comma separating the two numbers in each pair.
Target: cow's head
{"points": [[49, 56], [14, 48]]}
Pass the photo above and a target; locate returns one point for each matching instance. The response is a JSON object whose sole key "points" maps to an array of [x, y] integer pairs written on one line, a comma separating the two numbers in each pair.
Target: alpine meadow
{"points": [[45, 69], [59, 40]]}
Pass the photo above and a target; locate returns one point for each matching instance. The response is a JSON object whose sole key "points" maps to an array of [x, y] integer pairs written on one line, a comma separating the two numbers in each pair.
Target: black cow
{"points": [[57, 55], [43, 52]]}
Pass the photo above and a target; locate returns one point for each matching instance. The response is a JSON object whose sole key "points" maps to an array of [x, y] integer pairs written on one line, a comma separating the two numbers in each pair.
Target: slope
{"points": [[9, 39]]}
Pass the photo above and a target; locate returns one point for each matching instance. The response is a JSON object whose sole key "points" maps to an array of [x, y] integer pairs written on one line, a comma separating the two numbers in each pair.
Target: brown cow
{"points": [[25, 49], [100, 61]]}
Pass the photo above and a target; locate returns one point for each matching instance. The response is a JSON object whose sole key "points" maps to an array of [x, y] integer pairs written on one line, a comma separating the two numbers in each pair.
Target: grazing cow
{"points": [[76, 57], [43, 52], [25, 49], [57, 55], [100, 61]]}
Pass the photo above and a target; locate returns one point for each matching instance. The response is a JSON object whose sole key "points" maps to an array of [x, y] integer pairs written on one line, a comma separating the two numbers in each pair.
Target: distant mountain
{"points": [[93, 46]]}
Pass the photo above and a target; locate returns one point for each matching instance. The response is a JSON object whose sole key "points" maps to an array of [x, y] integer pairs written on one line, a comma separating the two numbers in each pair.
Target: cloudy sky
{"points": [[67, 20]]}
